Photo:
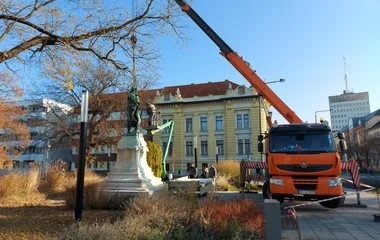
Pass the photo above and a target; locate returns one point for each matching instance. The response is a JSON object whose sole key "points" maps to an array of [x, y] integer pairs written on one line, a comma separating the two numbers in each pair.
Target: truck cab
{"points": [[303, 163]]}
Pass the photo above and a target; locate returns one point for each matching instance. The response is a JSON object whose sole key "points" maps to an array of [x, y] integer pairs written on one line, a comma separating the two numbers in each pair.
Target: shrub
{"points": [[20, 184], [223, 183], [180, 216], [154, 158], [229, 218], [56, 177], [229, 168], [92, 197]]}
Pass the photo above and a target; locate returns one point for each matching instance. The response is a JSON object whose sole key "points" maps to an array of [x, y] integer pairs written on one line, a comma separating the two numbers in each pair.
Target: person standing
{"points": [[193, 171], [212, 172]]}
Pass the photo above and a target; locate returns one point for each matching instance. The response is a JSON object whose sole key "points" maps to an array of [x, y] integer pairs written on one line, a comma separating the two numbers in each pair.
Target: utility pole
{"points": [[195, 152], [82, 156]]}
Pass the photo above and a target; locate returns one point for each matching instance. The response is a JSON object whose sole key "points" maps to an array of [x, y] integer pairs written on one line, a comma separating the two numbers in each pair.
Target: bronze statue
{"points": [[133, 119], [151, 110]]}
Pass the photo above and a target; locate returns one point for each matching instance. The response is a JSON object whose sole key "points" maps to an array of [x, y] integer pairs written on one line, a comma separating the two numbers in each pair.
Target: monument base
{"points": [[131, 174]]}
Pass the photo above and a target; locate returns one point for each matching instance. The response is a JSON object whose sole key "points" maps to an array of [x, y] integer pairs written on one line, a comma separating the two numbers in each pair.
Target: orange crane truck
{"points": [[302, 158]]}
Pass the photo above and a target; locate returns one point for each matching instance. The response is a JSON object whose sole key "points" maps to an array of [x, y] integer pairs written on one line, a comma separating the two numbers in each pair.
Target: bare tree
{"points": [[71, 28], [365, 151], [107, 105], [14, 134]]}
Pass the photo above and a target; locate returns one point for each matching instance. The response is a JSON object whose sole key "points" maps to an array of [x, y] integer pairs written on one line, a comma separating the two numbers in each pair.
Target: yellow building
{"points": [[218, 116]]}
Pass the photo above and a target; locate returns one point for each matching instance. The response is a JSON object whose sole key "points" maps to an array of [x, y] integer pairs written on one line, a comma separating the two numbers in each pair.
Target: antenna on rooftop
{"points": [[345, 76]]}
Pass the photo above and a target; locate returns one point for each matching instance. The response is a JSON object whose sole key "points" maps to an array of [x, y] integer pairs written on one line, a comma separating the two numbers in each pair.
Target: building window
{"points": [[189, 148], [189, 124], [204, 148], [167, 96], [220, 145], [164, 144], [244, 146], [219, 123], [165, 130], [203, 124], [247, 146], [242, 121]]}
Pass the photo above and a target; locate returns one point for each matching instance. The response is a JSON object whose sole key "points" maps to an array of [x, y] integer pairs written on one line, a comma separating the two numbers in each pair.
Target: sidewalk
{"points": [[345, 223]]}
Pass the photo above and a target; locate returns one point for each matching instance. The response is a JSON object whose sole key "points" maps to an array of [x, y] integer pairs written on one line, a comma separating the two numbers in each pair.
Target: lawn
{"points": [[36, 207], [42, 219]]}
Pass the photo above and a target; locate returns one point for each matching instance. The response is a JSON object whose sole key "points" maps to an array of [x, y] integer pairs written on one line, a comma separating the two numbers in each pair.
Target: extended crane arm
{"points": [[242, 66], [170, 125]]}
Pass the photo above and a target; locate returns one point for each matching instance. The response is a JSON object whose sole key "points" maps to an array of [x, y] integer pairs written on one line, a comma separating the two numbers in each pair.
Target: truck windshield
{"points": [[312, 141]]}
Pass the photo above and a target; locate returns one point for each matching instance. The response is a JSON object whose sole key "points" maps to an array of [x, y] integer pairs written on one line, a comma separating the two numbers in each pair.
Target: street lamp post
{"points": [[280, 81], [109, 158], [82, 156], [195, 151], [216, 154], [315, 114]]}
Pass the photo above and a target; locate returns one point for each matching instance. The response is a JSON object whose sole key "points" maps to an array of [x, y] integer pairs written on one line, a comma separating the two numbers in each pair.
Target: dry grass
{"points": [[223, 183], [168, 216], [56, 177], [46, 219], [224, 218], [29, 211], [20, 184], [229, 168], [91, 194]]}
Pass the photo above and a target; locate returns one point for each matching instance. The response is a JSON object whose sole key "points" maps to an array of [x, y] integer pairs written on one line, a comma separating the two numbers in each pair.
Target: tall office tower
{"points": [[348, 105]]}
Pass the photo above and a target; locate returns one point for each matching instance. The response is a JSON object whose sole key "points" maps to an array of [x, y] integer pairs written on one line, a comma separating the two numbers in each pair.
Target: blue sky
{"points": [[301, 41]]}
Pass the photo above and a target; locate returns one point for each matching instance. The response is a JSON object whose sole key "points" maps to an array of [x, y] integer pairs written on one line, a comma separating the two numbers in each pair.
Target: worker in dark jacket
{"points": [[212, 172], [193, 171]]}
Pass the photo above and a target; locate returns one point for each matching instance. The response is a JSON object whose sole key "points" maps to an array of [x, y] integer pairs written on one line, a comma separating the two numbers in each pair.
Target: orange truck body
{"points": [[311, 174]]}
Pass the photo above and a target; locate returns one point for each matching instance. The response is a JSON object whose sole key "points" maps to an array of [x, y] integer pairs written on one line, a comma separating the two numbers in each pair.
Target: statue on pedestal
{"points": [[133, 116], [152, 113]]}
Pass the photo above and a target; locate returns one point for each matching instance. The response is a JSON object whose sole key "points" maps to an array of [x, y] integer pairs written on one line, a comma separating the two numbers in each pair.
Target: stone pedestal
{"points": [[131, 174]]}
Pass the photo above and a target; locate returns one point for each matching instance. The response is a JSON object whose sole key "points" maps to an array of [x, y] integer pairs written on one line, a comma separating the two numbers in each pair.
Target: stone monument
{"points": [[131, 173]]}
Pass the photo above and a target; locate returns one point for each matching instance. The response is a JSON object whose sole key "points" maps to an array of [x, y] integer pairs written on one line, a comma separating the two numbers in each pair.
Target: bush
{"points": [[229, 168], [20, 184], [92, 197], [180, 216], [56, 177], [223, 183], [228, 219], [154, 158]]}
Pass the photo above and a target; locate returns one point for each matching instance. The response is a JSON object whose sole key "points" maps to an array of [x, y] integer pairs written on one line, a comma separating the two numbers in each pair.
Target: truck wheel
{"points": [[266, 190], [335, 203]]}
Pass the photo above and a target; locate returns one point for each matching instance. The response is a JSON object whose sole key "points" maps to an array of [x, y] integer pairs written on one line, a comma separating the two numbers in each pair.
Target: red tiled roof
{"points": [[187, 91], [200, 89]]}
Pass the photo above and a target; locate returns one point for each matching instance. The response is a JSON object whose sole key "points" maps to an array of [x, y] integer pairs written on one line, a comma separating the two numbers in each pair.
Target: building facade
{"points": [[37, 113], [219, 117], [348, 105], [363, 136]]}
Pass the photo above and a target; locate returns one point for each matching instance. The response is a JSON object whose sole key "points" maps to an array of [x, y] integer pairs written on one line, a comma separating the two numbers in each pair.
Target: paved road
{"points": [[346, 223]]}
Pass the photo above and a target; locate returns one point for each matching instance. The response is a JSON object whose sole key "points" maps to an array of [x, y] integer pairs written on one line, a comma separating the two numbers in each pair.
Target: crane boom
{"points": [[170, 125], [242, 66]]}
